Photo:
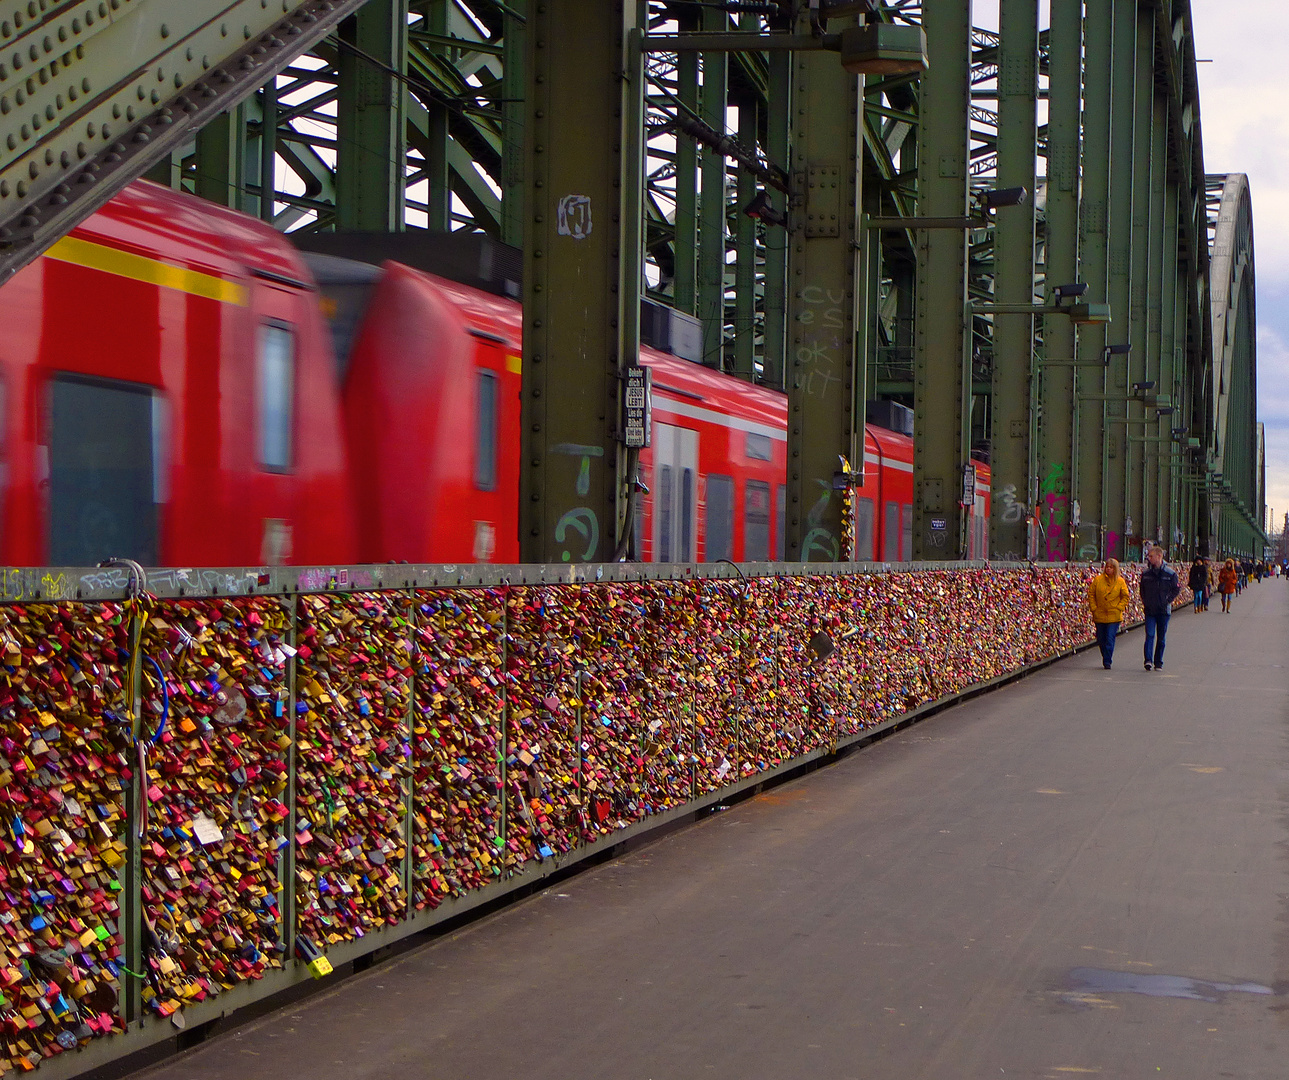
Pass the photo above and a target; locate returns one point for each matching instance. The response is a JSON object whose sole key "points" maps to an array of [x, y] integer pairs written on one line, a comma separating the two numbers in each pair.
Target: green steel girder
{"points": [[1238, 455], [1158, 335], [1124, 264], [822, 368], [104, 90], [1013, 335], [582, 267], [371, 129], [713, 199], [1050, 483], [942, 358], [1133, 487], [1093, 444]]}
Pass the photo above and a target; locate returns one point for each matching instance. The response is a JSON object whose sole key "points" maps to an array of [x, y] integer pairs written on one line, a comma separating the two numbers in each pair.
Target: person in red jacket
{"points": [[1226, 579]]}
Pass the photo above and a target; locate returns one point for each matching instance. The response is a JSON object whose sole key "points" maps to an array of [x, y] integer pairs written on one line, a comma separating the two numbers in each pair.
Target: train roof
{"points": [[187, 231], [891, 443], [714, 389]]}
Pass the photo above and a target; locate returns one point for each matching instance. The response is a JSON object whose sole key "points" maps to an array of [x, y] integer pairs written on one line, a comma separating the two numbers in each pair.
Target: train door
{"points": [[675, 495], [978, 523], [105, 471], [273, 512], [865, 528], [891, 532], [982, 519]]}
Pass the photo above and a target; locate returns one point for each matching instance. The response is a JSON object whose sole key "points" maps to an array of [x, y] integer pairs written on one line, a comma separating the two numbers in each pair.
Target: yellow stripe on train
{"points": [[109, 260]]}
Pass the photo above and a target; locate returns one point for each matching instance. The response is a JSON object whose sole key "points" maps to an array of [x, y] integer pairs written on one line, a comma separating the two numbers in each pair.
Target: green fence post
{"points": [[289, 913], [132, 884], [503, 840]]}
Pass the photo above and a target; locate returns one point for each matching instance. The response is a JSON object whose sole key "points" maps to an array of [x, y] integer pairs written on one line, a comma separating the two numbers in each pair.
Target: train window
{"points": [[103, 472], [720, 518], [890, 534], [664, 513], [685, 542], [758, 447], [864, 530], [781, 524], [756, 521], [275, 381], [906, 535], [485, 432]]}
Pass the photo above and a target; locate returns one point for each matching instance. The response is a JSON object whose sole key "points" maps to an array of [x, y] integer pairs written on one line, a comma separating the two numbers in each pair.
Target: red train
{"points": [[182, 387]]}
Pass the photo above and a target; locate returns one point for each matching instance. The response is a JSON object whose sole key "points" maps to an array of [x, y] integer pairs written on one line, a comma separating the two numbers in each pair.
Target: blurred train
{"points": [[179, 385]]}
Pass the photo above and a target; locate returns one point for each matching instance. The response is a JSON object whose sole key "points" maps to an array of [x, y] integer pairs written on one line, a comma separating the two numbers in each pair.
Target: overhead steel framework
{"points": [[720, 159]]}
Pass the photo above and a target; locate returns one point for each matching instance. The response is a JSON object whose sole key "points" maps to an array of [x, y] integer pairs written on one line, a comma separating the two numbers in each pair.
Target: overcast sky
{"points": [[1243, 94]]}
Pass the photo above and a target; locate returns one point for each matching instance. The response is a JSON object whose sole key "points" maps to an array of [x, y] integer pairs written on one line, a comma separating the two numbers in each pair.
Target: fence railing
{"points": [[209, 779]]}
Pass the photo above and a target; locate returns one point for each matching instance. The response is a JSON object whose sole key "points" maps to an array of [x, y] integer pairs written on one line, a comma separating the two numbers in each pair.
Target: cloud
{"points": [[1246, 129]]}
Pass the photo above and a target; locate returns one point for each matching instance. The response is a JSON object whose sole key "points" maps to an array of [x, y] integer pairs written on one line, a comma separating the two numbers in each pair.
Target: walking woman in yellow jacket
{"points": [[1107, 600]]}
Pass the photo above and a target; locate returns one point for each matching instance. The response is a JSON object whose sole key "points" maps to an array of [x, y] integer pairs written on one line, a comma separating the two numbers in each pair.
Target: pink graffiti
{"points": [[1056, 517], [1112, 544]]}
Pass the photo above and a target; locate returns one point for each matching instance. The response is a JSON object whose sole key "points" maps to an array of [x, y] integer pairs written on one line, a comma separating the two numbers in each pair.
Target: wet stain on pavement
{"points": [[1101, 981]]}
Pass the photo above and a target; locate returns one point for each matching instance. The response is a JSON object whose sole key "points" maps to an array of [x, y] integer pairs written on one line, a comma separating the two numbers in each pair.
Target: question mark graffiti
{"points": [[822, 541], [582, 521]]}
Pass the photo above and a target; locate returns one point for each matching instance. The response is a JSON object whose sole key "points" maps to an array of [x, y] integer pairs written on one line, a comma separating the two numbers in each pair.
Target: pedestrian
{"points": [[1159, 588], [1212, 582], [1226, 580], [1107, 600], [1197, 580]]}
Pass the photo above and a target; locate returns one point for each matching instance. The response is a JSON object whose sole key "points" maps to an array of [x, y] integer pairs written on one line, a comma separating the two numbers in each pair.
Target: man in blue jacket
{"points": [[1159, 588]]}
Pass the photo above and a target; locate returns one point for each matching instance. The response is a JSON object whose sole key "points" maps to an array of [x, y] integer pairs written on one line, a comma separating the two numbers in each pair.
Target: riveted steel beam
{"points": [[584, 175], [1061, 266], [1114, 453], [779, 108], [1013, 406], [685, 219], [710, 300], [1095, 444], [745, 248], [372, 121], [512, 111], [1160, 353], [942, 365], [99, 90], [821, 369], [1137, 483], [221, 159]]}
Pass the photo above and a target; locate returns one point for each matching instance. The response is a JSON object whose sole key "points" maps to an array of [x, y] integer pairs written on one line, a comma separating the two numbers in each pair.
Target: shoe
{"points": [[1159, 667], [1106, 666], [1147, 665]]}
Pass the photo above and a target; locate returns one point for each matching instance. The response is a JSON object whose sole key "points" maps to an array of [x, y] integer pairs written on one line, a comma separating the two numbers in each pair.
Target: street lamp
{"points": [[883, 49], [996, 197], [760, 209]]}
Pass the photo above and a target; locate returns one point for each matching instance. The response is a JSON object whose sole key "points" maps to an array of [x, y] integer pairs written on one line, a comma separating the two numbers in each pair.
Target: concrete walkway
{"points": [[1082, 874]]}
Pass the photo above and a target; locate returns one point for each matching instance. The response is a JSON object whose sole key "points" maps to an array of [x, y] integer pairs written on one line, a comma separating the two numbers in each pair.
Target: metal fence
{"points": [[210, 778]]}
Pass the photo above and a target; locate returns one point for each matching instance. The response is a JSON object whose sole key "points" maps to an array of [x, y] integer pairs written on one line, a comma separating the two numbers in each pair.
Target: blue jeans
{"points": [[1156, 631], [1106, 632]]}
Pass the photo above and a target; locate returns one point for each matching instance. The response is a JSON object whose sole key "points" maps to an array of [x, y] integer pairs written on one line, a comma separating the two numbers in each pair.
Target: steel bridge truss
{"points": [[741, 185]]}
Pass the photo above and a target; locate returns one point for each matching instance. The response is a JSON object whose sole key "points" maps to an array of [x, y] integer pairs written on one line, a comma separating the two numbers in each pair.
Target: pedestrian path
{"points": [[1081, 874]]}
